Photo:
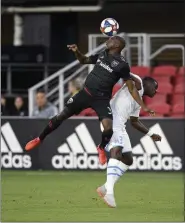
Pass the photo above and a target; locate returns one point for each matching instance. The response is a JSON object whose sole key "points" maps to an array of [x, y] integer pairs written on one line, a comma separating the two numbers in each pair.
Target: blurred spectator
{"points": [[74, 86], [19, 109], [4, 110], [44, 109]]}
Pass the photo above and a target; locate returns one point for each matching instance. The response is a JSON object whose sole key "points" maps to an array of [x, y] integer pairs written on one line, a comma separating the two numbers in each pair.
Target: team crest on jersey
{"points": [[70, 101], [114, 63]]}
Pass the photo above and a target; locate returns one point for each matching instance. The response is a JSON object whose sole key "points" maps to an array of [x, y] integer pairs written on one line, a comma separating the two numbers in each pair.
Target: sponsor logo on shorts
{"points": [[109, 111], [70, 101], [11, 151]]}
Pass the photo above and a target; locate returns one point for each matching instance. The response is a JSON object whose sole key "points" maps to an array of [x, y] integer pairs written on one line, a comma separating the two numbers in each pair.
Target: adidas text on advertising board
{"points": [[11, 151], [155, 156], [78, 153]]}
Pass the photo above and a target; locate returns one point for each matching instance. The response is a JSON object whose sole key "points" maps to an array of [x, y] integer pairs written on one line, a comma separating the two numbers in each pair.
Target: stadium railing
{"points": [[56, 83], [140, 50]]}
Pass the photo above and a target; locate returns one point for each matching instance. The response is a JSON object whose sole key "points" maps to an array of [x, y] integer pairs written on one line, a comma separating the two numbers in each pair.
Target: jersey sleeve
{"points": [[136, 112], [94, 58], [125, 72]]}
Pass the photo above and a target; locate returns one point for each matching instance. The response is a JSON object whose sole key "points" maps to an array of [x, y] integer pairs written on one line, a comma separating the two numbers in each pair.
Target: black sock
{"points": [[106, 136], [54, 123], [51, 126]]}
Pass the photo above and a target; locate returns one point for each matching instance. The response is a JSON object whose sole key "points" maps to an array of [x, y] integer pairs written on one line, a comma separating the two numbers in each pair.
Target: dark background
{"points": [[46, 35], [55, 31]]}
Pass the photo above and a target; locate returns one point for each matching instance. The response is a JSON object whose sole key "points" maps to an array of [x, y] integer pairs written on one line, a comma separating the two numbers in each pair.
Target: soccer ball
{"points": [[109, 27]]}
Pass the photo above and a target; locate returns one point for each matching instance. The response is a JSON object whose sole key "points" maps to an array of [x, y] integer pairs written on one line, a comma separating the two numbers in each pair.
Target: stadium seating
{"points": [[116, 88], [178, 110], [141, 71], [159, 98], [164, 71], [169, 101], [165, 88], [179, 79], [177, 98], [182, 115], [162, 79], [161, 109], [181, 71], [179, 88]]}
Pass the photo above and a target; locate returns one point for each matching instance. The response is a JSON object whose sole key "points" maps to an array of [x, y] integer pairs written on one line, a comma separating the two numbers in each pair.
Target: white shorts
{"points": [[120, 138]]}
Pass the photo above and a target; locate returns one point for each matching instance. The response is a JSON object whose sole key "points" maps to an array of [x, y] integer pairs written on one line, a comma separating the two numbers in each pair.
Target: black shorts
{"points": [[83, 100]]}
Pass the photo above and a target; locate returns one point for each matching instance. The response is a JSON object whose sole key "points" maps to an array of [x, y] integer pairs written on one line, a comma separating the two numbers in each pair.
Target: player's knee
{"points": [[130, 161], [65, 114], [107, 124], [116, 153], [108, 128], [127, 159]]}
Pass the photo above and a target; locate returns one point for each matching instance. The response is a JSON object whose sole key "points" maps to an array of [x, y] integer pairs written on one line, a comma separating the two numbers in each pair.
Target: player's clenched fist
{"points": [[73, 47], [156, 137]]}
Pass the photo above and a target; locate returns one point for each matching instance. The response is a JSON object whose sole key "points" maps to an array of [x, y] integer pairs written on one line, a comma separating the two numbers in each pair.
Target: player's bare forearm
{"points": [[82, 58], [137, 124], [135, 94]]}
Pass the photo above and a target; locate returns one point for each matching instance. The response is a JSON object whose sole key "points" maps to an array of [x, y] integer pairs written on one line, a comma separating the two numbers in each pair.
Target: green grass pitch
{"points": [[70, 196]]}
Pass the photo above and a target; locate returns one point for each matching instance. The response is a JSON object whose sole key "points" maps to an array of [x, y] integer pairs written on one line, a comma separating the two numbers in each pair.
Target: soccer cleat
{"points": [[32, 144], [110, 200], [101, 155], [101, 191]]}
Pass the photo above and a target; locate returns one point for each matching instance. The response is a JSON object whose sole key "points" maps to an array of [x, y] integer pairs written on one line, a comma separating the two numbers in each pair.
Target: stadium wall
{"points": [[73, 146], [132, 19]]}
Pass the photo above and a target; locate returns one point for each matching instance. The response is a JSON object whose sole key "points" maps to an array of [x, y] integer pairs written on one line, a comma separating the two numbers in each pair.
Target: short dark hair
{"points": [[151, 79]]}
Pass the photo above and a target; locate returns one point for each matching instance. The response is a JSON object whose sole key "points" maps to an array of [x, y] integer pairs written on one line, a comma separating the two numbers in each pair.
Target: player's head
{"points": [[41, 99], [3, 100], [18, 102], [115, 43], [150, 86]]}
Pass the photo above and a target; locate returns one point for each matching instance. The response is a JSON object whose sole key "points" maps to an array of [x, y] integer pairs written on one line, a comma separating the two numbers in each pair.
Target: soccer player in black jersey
{"points": [[109, 67]]}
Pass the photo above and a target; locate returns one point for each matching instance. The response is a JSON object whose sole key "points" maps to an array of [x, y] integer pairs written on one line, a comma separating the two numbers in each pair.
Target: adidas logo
{"points": [[150, 155], [78, 152], [11, 150]]}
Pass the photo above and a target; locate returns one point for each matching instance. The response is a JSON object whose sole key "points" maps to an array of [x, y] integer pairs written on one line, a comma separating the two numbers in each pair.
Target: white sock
{"points": [[115, 169]]}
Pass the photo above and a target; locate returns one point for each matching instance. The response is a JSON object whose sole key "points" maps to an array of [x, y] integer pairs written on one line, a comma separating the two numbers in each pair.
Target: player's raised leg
{"points": [[53, 124], [74, 106], [106, 136], [103, 110]]}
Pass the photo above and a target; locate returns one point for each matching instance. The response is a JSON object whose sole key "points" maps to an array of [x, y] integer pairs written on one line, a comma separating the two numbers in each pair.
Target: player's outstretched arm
{"points": [[135, 94], [137, 124], [82, 58]]}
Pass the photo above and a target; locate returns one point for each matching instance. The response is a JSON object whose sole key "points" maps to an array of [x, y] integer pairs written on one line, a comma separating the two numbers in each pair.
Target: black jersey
{"points": [[107, 71]]}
